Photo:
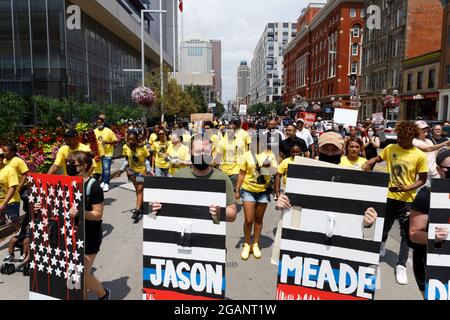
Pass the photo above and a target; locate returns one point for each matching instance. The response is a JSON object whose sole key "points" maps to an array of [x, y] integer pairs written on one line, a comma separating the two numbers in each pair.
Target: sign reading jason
{"points": [[184, 251], [325, 252]]}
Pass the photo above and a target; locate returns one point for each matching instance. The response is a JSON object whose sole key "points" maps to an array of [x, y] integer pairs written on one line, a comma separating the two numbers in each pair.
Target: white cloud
{"points": [[239, 24]]}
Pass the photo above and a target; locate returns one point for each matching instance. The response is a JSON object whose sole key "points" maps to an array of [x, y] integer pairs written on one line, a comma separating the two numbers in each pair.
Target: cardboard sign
{"points": [[57, 240], [345, 116], [184, 250], [309, 117], [377, 118], [325, 254], [438, 254], [243, 110], [201, 117]]}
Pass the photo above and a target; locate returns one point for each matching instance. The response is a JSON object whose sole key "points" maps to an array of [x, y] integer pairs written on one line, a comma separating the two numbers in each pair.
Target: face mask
{"points": [[199, 161], [335, 159], [100, 127], [370, 134], [71, 170]]}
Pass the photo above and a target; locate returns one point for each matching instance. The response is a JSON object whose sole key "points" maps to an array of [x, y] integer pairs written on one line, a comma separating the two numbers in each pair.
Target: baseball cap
{"points": [[331, 138], [300, 120], [422, 124], [70, 133], [442, 156]]}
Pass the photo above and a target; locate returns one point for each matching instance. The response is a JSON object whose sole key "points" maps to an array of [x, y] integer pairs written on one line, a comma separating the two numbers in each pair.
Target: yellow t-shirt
{"points": [[152, 138], [65, 151], [243, 135], [403, 166], [18, 165], [232, 155], [283, 168], [136, 159], [159, 149], [9, 178], [250, 183], [345, 162], [105, 135], [180, 152]]}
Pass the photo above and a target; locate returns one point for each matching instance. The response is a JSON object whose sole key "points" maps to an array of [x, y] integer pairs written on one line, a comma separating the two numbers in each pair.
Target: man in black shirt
{"points": [[285, 145], [436, 135], [418, 228]]}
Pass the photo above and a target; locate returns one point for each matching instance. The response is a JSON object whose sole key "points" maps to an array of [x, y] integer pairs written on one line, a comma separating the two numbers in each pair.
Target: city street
{"points": [[119, 264]]}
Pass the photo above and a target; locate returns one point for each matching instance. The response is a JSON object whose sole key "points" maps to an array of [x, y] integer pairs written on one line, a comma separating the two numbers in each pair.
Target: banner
{"points": [[184, 251], [438, 254], [201, 117], [326, 254], [57, 240], [309, 117], [345, 116]]}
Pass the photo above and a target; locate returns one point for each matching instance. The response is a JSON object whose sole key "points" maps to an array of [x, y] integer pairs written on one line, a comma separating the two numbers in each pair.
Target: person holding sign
{"points": [[201, 150], [259, 164], [404, 163], [418, 229]]}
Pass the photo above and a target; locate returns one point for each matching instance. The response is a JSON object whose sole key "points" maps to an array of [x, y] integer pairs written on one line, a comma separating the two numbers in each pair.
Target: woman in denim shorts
{"points": [[254, 179]]}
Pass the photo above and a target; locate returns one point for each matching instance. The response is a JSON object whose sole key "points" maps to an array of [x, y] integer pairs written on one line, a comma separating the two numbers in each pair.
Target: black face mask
{"points": [[201, 162], [71, 170], [335, 159], [447, 174]]}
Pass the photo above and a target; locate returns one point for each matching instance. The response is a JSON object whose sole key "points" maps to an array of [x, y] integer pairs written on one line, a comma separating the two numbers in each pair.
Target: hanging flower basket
{"points": [[143, 96]]}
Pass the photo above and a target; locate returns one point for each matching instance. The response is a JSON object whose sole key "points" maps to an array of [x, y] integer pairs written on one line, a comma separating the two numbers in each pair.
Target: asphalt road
{"points": [[119, 264]]}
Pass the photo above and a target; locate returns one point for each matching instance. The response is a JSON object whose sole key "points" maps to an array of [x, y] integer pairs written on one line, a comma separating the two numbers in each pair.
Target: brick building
{"points": [[409, 29], [323, 62], [444, 78]]}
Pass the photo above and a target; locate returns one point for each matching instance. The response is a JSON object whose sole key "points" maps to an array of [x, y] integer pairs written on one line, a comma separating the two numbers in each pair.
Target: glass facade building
{"points": [[40, 55]]}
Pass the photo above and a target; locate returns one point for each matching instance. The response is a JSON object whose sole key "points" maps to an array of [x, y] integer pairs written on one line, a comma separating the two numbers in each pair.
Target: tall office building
{"points": [[243, 81], [267, 63], [217, 66], [42, 54]]}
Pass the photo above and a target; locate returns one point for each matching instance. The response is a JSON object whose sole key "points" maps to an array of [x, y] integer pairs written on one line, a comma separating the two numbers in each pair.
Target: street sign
{"points": [[438, 253], [212, 105], [184, 249], [243, 110], [325, 253], [201, 117]]}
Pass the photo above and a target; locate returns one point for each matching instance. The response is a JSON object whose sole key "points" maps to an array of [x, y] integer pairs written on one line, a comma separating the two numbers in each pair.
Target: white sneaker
{"points": [[102, 185], [383, 250], [400, 274], [105, 187]]}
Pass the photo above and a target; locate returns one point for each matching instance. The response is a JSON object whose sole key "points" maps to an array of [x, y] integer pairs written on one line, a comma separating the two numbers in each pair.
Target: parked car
{"points": [[387, 133]]}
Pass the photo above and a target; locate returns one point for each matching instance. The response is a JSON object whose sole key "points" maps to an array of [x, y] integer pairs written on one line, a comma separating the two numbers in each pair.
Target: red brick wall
{"points": [[424, 27]]}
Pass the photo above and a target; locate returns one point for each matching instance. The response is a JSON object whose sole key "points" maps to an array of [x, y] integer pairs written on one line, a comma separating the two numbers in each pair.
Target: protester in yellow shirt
{"points": [[9, 194], [235, 124], [404, 163], [135, 157], [106, 139], [296, 150], [212, 134], [160, 150], [258, 166], [179, 155], [72, 144], [353, 154], [229, 155]]}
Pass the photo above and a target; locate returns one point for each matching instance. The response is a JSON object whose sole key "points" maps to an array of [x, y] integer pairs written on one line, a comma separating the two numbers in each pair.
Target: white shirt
{"points": [[277, 131], [432, 171], [305, 134]]}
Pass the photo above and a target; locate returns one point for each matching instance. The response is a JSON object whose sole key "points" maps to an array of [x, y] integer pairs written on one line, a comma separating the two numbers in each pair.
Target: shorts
{"points": [[22, 236], [139, 176], [258, 197], [13, 211], [93, 236]]}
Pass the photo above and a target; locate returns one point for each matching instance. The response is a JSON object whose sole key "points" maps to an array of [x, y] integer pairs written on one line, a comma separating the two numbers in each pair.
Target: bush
{"points": [[12, 108]]}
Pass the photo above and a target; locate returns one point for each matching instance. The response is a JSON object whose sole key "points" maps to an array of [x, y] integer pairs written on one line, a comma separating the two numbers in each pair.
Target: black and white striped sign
{"points": [[325, 255], [184, 251], [438, 254]]}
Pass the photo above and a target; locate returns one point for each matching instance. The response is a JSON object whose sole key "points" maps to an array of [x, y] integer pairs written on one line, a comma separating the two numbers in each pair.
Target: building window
{"points": [[354, 68], [354, 49], [362, 14], [431, 76], [356, 31], [447, 75], [352, 12], [409, 84], [448, 36], [420, 80]]}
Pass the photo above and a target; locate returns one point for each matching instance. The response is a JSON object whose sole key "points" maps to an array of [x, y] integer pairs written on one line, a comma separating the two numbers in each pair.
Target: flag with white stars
{"points": [[57, 239]]}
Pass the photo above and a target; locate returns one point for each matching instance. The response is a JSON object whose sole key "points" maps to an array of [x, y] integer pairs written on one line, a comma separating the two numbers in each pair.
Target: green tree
{"points": [[12, 108], [219, 110]]}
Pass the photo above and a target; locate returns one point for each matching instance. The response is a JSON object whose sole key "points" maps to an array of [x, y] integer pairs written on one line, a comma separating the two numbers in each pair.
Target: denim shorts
{"points": [[13, 211], [139, 176], [258, 197]]}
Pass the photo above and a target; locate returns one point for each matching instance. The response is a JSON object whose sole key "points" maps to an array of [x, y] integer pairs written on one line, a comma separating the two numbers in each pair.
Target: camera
{"points": [[261, 180]]}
